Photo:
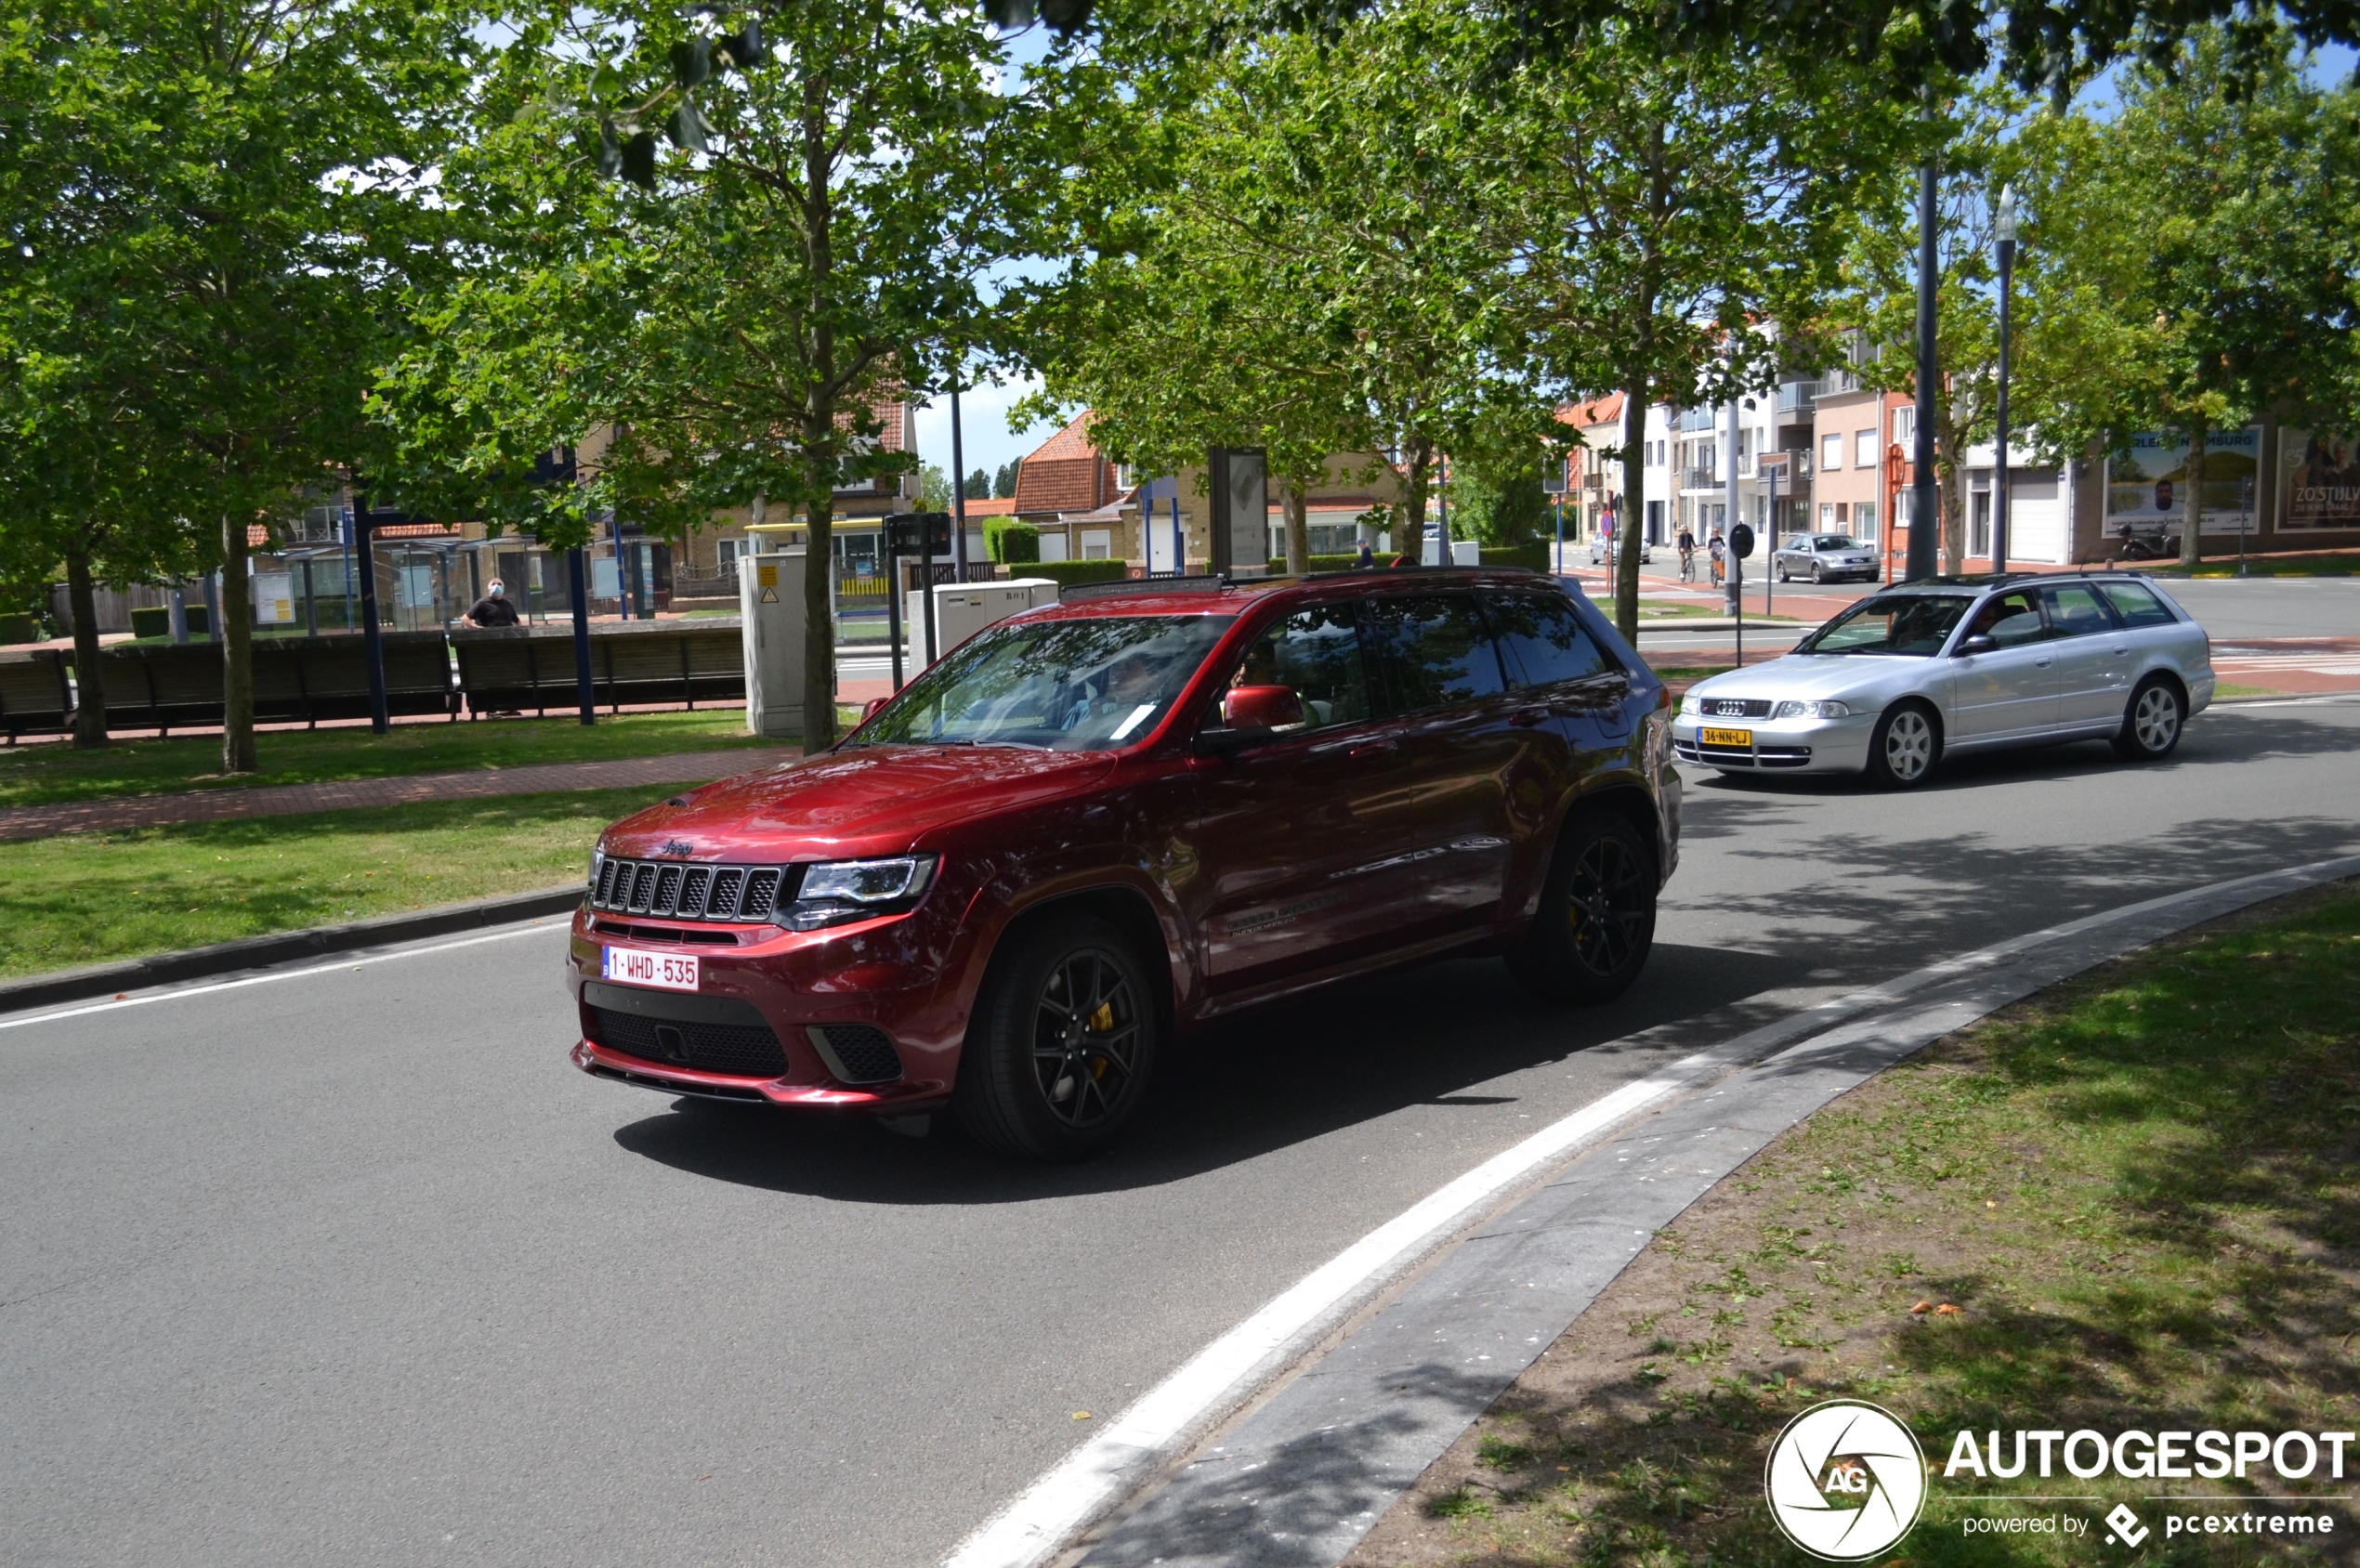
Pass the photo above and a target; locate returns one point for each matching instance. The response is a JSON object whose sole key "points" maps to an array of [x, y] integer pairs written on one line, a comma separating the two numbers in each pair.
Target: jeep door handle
{"points": [[1526, 718], [2042, 663], [1385, 748]]}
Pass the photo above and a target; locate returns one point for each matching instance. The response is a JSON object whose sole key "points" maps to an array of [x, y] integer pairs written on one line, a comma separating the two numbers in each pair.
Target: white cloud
{"points": [[984, 437]]}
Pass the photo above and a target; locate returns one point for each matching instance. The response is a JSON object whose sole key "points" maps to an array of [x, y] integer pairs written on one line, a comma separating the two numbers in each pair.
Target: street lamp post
{"points": [[2004, 231], [1923, 517]]}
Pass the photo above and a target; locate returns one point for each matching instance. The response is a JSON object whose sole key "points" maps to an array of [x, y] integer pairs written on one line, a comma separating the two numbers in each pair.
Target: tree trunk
{"points": [[819, 433], [819, 630], [89, 681], [1630, 523], [1412, 542], [1952, 473], [1298, 528], [235, 634], [2192, 504]]}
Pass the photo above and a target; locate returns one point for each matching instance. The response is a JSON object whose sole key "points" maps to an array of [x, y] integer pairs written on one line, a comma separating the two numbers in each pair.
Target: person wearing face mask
{"points": [[493, 608]]}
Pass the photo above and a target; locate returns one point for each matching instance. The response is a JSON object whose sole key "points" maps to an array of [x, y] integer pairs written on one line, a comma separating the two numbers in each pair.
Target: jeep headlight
{"points": [[836, 890], [597, 863], [1812, 711]]}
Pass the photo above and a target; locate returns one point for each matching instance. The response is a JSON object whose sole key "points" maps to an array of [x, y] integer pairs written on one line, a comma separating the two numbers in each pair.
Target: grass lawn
{"points": [[43, 774], [89, 897], [2131, 1202], [2334, 564]]}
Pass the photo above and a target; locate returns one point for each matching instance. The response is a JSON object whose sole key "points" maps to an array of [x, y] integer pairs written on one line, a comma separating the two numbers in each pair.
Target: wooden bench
{"points": [[509, 669], [36, 697], [296, 680]]}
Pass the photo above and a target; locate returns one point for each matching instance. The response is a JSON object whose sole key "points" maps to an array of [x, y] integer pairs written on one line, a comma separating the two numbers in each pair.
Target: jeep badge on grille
{"points": [[679, 849]]}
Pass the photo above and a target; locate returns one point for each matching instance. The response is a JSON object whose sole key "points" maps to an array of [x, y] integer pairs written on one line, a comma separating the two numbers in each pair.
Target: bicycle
{"points": [[1688, 565]]}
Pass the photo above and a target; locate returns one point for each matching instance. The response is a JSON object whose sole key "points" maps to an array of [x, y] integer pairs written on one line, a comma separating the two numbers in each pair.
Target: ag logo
{"points": [[1845, 1480]]}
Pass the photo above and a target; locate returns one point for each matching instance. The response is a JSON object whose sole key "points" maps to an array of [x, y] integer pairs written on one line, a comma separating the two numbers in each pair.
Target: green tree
{"points": [[199, 320], [1674, 203], [2194, 256], [979, 486], [1003, 488], [934, 488], [728, 317], [1975, 139]]}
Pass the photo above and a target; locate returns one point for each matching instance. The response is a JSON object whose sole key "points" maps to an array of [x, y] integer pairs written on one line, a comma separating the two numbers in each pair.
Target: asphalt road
{"points": [[353, 1267]]}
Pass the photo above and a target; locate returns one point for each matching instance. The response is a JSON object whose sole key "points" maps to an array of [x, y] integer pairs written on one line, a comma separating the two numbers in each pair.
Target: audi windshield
{"points": [[1910, 624]]}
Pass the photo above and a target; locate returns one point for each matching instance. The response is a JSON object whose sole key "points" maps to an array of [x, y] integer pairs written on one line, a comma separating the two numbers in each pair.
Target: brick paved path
{"points": [[287, 800]]}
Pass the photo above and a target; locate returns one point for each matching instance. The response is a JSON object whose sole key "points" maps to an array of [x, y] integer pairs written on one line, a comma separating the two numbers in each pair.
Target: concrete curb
{"points": [[256, 952], [1314, 1454]]}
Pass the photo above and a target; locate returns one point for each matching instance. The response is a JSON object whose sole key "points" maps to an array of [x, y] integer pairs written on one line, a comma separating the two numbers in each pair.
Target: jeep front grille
{"points": [[673, 890]]}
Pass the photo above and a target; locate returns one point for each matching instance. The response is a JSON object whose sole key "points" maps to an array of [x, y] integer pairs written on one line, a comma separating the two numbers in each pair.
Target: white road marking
{"points": [[1096, 1477], [340, 965]]}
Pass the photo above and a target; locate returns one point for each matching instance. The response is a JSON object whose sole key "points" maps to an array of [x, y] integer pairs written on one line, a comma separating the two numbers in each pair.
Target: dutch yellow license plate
{"points": [[1728, 737]]}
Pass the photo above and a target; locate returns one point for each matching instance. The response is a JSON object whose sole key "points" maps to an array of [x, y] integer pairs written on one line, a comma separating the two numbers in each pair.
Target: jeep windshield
{"points": [[1910, 624], [1061, 686]]}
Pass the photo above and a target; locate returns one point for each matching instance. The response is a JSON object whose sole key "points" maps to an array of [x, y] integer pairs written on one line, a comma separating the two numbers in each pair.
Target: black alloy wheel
{"points": [[1596, 922], [1063, 1042]]}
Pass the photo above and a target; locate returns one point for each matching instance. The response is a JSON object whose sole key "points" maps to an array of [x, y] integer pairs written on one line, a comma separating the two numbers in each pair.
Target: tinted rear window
{"points": [[1436, 651], [1543, 640]]}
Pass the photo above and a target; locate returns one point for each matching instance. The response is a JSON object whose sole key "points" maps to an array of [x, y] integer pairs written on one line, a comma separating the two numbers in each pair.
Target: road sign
{"points": [[918, 533], [1741, 541]]}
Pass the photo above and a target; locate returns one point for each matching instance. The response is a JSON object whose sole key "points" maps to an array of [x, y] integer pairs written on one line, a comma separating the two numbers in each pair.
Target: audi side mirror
{"points": [[1982, 642]]}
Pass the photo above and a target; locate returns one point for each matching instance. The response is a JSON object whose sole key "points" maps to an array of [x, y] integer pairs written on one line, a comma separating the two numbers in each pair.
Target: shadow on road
{"points": [[1238, 1089]]}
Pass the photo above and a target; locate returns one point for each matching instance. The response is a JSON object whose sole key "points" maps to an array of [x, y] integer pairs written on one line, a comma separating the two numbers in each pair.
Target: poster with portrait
{"points": [[2318, 482], [2147, 491]]}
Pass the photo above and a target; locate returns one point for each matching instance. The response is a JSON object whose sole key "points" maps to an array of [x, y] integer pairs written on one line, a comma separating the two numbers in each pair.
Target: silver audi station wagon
{"points": [[1913, 673]]}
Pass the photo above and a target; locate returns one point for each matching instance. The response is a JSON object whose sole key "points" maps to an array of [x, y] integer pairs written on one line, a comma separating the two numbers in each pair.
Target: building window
{"points": [[1905, 425], [727, 549], [1828, 515], [1864, 521], [1097, 545], [1830, 452], [1864, 449]]}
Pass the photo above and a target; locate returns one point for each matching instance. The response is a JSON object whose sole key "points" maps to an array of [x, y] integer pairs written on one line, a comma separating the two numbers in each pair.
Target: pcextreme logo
{"points": [[1845, 1480]]}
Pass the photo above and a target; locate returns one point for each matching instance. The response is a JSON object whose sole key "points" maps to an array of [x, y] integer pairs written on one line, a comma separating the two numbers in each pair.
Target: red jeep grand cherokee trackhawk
{"points": [[1106, 821]]}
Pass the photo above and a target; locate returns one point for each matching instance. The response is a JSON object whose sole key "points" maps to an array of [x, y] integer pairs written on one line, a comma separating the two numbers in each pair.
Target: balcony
{"points": [[1699, 479], [1797, 396]]}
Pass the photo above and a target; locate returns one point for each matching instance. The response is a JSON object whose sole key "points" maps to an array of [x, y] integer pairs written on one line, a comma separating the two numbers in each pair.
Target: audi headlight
{"points": [[1812, 711], [836, 890]]}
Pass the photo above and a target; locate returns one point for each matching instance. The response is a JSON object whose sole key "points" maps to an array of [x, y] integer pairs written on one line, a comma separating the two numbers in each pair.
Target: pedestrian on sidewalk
{"points": [[1368, 556], [493, 608]]}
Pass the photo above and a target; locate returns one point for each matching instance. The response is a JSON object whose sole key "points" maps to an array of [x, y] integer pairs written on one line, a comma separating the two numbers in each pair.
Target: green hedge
{"points": [[157, 621], [1065, 574], [18, 628], [1010, 542], [1532, 557], [1328, 563]]}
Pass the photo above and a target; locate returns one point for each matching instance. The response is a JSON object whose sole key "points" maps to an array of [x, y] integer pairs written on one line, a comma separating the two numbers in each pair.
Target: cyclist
{"points": [[1718, 550], [1687, 553]]}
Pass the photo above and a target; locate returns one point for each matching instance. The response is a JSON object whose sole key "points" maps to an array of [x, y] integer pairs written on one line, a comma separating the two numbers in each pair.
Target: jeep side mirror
{"points": [[1260, 707], [869, 709], [1982, 642]]}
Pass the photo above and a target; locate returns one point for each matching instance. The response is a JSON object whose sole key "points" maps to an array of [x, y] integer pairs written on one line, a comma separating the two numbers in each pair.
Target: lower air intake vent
{"points": [[710, 1034], [857, 1053]]}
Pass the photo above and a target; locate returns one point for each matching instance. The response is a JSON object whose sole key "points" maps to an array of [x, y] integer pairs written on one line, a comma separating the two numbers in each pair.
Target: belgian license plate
{"points": [[665, 971], [1709, 737]]}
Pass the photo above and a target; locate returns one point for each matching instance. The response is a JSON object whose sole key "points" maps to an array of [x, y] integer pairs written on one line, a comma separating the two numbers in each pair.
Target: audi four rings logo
{"points": [[1845, 1480]]}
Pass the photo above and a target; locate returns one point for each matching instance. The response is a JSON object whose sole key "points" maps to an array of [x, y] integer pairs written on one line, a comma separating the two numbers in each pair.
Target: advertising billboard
{"points": [[2318, 481], [2147, 491]]}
